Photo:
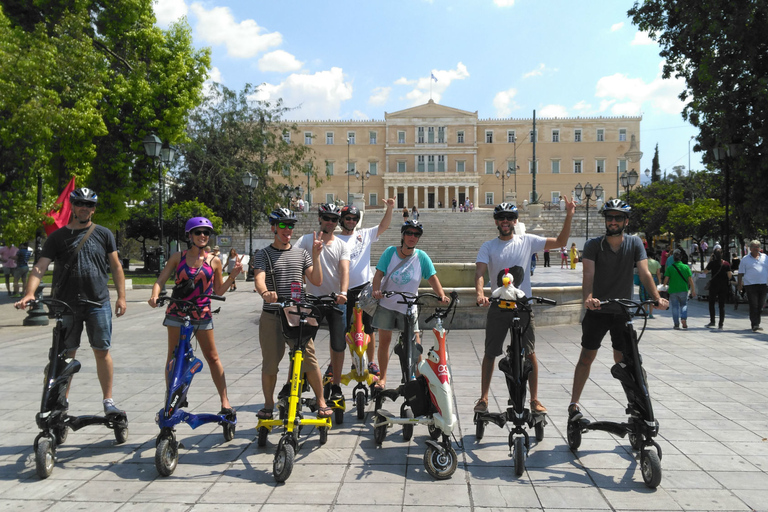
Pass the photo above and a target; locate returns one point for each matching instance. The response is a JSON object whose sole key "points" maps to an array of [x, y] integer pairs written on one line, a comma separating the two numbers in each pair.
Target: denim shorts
{"points": [[98, 326], [389, 320], [199, 325]]}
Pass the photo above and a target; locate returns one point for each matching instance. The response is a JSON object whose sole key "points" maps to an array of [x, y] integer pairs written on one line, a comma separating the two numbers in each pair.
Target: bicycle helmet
{"points": [[281, 215], [197, 222], [412, 224], [504, 208], [329, 209], [616, 205], [84, 194], [350, 210]]}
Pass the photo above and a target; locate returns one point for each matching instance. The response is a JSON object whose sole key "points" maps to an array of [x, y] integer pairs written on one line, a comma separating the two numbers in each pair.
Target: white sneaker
{"points": [[110, 407]]}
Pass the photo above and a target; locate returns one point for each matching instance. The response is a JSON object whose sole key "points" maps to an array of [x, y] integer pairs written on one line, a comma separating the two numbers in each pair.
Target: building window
{"points": [[555, 135], [329, 138], [460, 137], [351, 168], [555, 166], [577, 166], [600, 135], [307, 138], [489, 137], [555, 197], [287, 137], [622, 134], [530, 166], [489, 167], [400, 166], [401, 137], [329, 198], [431, 163], [512, 166], [420, 163], [286, 170], [460, 165], [511, 137], [351, 138], [577, 135], [440, 163], [373, 199], [489, 198], [371, 138], [600, 165], [420, 135], [622, 166], [431, 134], [373, 168], [441, 135], [329, 168]]}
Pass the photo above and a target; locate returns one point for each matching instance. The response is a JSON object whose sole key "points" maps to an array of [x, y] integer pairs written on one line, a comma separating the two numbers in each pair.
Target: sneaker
{"points": [[110, 407], [336, 393], [651, 316], [537, 407], [757, 328], [676, 327], [329, 372], [720, 327], [481, 405], [374, 369], [574, 412], [710, 324]]}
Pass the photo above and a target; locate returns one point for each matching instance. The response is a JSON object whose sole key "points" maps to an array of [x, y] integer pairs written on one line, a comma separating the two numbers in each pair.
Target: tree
{"points": [[231, 134], [655, 168], [81, 83]]}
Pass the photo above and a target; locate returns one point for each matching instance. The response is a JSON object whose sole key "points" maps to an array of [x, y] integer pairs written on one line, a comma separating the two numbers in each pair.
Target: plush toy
{"points": [[507, 291]]}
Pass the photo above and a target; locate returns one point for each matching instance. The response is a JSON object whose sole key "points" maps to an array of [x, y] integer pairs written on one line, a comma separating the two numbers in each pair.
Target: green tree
{"points": [[655, 168]]}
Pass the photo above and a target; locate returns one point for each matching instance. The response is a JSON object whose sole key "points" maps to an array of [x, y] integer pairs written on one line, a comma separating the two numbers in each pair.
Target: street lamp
{"points": [[308, 172], [363, 178], [629, 180], [502, 176], [153, 147], [250, 181], [724, 154], [348, 173], [586, 192]]}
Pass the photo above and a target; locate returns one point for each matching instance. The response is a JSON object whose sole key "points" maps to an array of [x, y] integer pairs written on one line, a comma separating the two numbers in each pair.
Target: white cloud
{"points": [[214, 75], [361, 116], [630, 96], [504, 3], [168, 11], [582, 106], [379, 95], [279, 61], [243, 40], [617, 26], [553, 111], [539, 70], [312, 96], [504, 102], [420, 94], [642, 39]]}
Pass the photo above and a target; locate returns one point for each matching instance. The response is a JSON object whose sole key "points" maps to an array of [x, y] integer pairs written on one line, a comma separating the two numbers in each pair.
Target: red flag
{"points": [[61, 212]]}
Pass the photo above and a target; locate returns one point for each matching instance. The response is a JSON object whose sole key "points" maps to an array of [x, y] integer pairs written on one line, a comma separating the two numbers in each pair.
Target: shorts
{"points": [[596, 325], [205, 324], [20, 272], [388, 320], [336, 325], [273, 344], [98, 327], [354, 293], [499, 323], [7, 271]]}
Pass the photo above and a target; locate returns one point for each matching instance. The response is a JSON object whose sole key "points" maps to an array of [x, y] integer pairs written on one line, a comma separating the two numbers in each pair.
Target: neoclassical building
{"points": [[430, 154]]}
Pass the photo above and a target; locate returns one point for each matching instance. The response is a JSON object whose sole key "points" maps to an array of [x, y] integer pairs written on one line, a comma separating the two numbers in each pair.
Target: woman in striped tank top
{"points": [[204, 270]]}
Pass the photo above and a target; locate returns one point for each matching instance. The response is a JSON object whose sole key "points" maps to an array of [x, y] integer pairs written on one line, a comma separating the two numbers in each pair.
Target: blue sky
{"points": [[502, 58]]}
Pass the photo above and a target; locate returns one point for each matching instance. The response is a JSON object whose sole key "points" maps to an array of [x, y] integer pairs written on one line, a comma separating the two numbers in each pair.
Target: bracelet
{"points": [[343, 293], [262, 293]]}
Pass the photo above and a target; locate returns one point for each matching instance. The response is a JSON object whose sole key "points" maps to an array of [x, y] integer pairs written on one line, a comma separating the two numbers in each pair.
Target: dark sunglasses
{"points": [[201, 232], [328, 218], [285, 225], [83, 203], [615, 218], [505, 216], [413, 233], [356, 219]]}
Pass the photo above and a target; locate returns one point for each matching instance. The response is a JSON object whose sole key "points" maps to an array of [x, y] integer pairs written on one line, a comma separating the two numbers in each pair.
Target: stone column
{"points": [[405, 195]]}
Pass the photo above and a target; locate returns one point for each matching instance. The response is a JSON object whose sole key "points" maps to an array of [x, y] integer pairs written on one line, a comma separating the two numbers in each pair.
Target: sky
{"points": [[345, 60]]}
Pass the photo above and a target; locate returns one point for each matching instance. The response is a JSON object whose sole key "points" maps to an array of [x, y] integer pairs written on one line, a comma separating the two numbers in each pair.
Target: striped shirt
{"points": [[289, 266]]}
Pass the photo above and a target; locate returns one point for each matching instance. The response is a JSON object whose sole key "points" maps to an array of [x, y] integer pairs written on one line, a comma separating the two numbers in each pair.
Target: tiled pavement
{"points": [[709, 390]]}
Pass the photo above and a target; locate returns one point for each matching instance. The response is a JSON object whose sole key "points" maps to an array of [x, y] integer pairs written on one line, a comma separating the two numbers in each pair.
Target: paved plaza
{"points": [[709, 387]]}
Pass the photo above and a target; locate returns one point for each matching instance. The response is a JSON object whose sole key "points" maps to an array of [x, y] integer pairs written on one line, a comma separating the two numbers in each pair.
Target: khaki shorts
{"points": [[273, 345]]}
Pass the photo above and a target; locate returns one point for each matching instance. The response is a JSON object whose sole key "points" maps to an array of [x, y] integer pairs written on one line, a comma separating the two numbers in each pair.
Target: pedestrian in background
{"points": [[679, 279], [718, 286], [753, 276]]}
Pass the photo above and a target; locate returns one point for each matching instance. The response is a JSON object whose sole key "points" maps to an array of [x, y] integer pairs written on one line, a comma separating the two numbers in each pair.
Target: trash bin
{"points": [[700, 282]]}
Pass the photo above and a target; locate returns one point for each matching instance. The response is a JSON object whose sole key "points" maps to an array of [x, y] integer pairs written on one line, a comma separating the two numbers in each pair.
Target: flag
{"points": [[433, 77], [61, 212]]}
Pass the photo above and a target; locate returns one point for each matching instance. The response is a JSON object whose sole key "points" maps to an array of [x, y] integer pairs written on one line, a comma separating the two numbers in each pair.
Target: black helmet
{"points": [[329, 209], [412, 224], [616, 205], [84, 194], [350, 210], [281, 215], [504, 208]]}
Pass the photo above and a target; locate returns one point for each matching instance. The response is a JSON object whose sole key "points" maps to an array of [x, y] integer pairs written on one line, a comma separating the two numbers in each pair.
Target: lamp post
{"points": [[503, 176], [348, 173], [723, 154], [363, 178], [152, 147], [629, 180], [308, 172], [586, 192], [250, 181]]}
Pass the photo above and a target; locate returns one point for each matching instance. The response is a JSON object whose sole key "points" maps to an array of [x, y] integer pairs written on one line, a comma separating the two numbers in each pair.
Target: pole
{"points": [[250, 220], [348, 201], [727, 244], [161, 262], [534, 197]]}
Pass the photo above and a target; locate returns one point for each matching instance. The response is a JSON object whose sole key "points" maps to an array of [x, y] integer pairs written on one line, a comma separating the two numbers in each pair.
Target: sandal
{"points": [[324, 412], [264, 414]]}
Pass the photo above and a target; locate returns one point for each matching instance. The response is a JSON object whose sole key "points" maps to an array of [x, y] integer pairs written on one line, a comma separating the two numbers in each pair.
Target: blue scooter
{"points": [[181, 369]]}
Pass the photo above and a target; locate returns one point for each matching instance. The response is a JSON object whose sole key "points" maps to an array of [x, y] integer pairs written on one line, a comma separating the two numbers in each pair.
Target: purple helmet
{"points": [[197, 222]]}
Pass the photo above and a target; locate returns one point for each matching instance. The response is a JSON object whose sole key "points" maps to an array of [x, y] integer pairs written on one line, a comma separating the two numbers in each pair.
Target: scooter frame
{"points": [[433, 386], [181, 370], [516, 368], [52, 420], [641, 425], [357, 341]]}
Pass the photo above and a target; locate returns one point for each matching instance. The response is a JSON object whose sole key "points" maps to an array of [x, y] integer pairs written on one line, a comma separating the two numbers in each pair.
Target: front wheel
{"points": [[440, 465], [407, 429], [323, 431], [283, 465], [338, 416], [229, 431], [360, 405], [539, 429], [650, 466], [45, 457], [262, 440], [519, 455], [166, 456], [574, 435], [121, 432], [380, 432]]}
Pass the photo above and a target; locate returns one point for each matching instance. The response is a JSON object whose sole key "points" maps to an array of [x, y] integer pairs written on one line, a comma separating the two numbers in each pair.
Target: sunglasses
{"points": [[328, 218], [285, 225], [356, 219], [201, 232], [413, 233], [506, 216], [615, 218], [83, 203]]}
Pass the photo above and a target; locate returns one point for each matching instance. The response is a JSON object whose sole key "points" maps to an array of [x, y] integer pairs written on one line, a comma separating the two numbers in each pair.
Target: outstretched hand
{"points": [[570, 205], [317, 244]]}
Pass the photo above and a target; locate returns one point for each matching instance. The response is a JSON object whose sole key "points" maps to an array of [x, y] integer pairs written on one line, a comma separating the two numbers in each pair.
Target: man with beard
{"points": [[497, 257], [609, 263]]}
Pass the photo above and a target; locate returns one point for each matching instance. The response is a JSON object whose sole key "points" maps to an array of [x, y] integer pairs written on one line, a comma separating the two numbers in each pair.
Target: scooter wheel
{"points": [[519, 455], [323, 431], [283, 464], [338, 416], [229, 431], [262, 440], [440, 466], [60, 434], [121, 433], [479, 430], [574, 435], [45, 457], [407, 429], [539, 429], [434, 432], [650, 466], [166, 456], [380, 432], [360, 405]]}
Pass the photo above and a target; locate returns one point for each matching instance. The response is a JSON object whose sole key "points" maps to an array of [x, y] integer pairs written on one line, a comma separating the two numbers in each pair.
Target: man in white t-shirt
{"points": [[360, 275], [335, 262], [753, 276], [496, 257]]}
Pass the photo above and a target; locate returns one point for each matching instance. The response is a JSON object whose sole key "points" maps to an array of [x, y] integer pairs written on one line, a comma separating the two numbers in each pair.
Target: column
{"points": [[405, 195], [477, 192]]}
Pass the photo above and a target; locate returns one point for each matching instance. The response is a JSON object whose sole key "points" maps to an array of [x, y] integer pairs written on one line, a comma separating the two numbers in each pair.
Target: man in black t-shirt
{"points": [[86, 280]]}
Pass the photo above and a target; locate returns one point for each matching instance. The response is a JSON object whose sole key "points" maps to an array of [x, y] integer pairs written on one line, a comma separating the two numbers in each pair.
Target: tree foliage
{"points": [[142, 223]]}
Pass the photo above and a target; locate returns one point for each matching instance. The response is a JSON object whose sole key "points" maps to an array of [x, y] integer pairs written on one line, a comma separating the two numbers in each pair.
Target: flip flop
{"points": [[264, 414], [324, 412]]}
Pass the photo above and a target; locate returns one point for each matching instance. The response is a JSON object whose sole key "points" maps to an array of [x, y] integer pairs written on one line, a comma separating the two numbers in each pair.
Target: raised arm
{"points": [[562, 238]]}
